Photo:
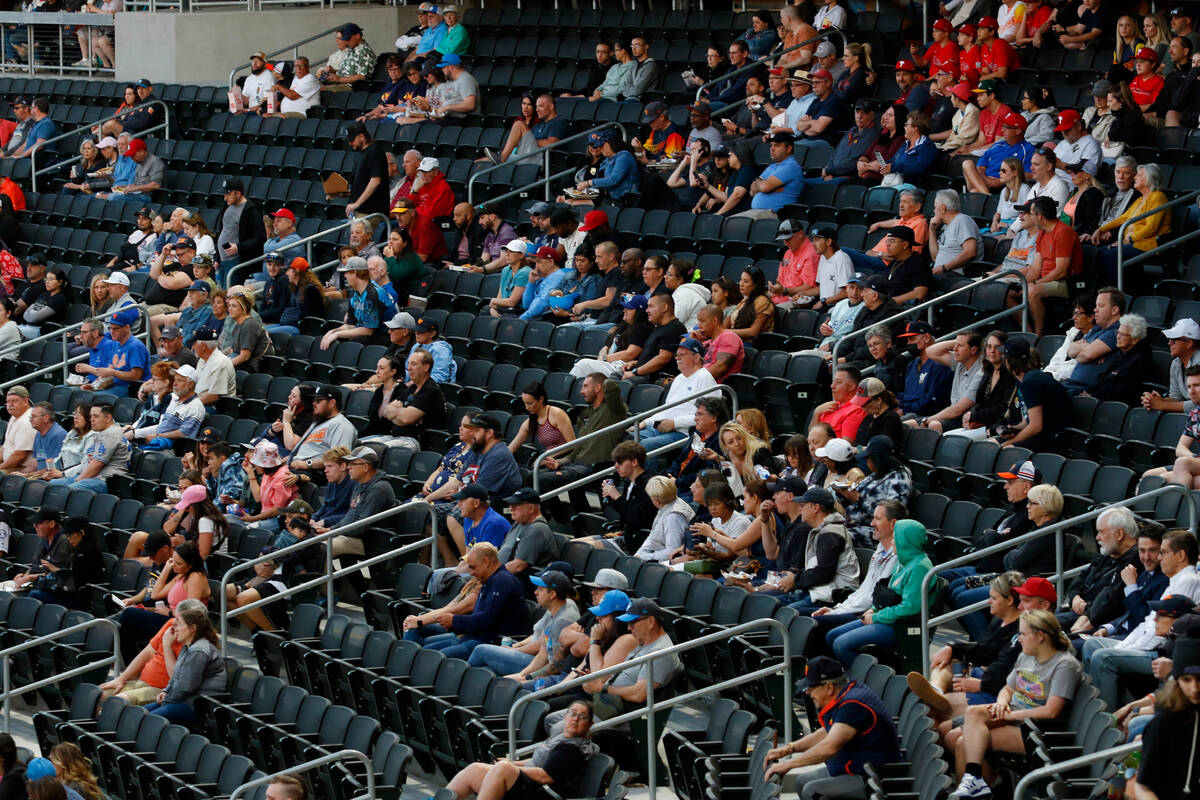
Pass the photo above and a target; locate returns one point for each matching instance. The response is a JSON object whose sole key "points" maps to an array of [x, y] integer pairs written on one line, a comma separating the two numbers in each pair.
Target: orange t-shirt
{"points": [[155, 672], [920, 229], [1060, 242]]}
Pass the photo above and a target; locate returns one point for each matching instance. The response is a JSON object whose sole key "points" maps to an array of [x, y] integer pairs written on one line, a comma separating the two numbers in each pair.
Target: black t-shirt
{"points": [[38, 288], [372, 163], [564, 764], [906, 275], [663, 337], [429, 399], [637, 334], [156, 295], [743, 178], [793, 538], [1039, 389]]}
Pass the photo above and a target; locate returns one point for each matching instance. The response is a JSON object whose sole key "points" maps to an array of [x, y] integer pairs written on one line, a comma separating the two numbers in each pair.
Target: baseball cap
{"points": [[871, 387], [135, 146], [561, 215], [792, 483], [877, 281], [1025, 472], [541, 208], [836, 449], [988, 22], [472, 491], [1101, 87], [117, 279], [143, 83], [40, 768], [350, 29], [987, 85], [285, 213], [1147, 54], [353, 264], [299, 264], [818, 670], [857, 278], [187, 371], [236, 184], [642, 607], [19, 100], [426, 326], [47, 515], [401, 206], [259, 55], [450, 60], [916, 328], [824, 230], [1185, 328], [355, 129], [787, 229], [195, 493], [876, 446], [815, 494], [1016, 348], [428, 164], [554, 580], [593, 220], [209, 435], [403, 319], [600, 137], [110, 141], [903, 233], [904, 65], [695, 345], [701, 106], [186, 242], [362, 453], [1014, 120], [820, 74], [608, 578], [1037, 587], [614, 601], [298, 506], [515, 245], [124, 318], [326, 391], [825, 50], [485, 421], [549, 253], [156, 541], [962, 91], [200, 286], [635, 301], [1172, 605], [170, 332], [943, 25], [968, 29], [525, 494], [654, 110], [205, 334], [782, 137], [1066, 119]]}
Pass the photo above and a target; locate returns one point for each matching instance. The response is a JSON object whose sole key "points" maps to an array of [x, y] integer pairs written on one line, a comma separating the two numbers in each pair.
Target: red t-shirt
{"points": [[726, 342], [1037, 19], [1060, 241], [942, 55], [1145, 88], [968, 65], [989, 121], [996, 54], [845, 419]]}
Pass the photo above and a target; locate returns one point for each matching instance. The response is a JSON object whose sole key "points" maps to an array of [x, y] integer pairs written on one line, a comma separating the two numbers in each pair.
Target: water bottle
{"points": [[507, 641], [762, 472]]}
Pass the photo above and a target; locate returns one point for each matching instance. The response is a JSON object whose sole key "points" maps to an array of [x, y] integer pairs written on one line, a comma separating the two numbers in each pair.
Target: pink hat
{"points": [[191, 495], [266, 455]]}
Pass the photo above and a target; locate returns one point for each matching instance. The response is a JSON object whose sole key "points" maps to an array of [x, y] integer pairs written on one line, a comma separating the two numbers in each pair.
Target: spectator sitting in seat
{"points": [[842, 164], [835, 459], [888, 365], [877, 306], [887, 478], [666, 138], [283, 226], [548, 277], [41, 131], [624, 344], [431, 193], [585, 284], [529, 541], [780, 183], [616, 77], [257, 85], [370, 307], [1123, 379], [127, 358], [1045, 181], [710, 415], [992, 113], [1187, 465], [48, 438], [842, 316], [962, 356], [1041, 686], [148, 176], [876, 259], [984, 176], [914, 93], [499, 610], [329, 429], [248, 339], [995, 392], [425, 333], [827, 571], [1098, 595], [357, 61], [470, 238], [891, 138], [604, 407], [199, 668], [797, 284], [147, 675], [877, 624], [271, 493], [428, 241], [490, 463], [523, 139], [618, 173], [372, 495], [955, 240], [883, 563], [182, 417], [215, 373], [598, 70], [420, 406], [1140, 236], [454, 98], [537, 654], [856, 728], [54, 553], [301, 94], [882, 407], [915, 154], [1095, 351], [302, 298], [480, 523], [1183, 339], [844, 411], [755, 314], [403, 83]]}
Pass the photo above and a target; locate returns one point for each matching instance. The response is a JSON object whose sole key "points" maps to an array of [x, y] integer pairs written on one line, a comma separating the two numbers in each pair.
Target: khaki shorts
{"points": [[136, 693], [1054, 289], [343, 545]]}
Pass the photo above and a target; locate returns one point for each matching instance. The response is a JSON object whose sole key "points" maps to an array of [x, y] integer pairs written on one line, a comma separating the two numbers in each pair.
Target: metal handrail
{"points": [[1122, 262], [330, 575], [722, 635], [624, 425], [545, 150], [1059, 573], [294, 47], [307, 241], [34, 171], [340, 755], [1025, 785], [941, 298], [770, 57], [62, 332], [5, 656]]}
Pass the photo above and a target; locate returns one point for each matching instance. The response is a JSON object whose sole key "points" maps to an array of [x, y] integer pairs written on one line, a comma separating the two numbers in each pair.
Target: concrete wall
{"points": [[203, 47]]}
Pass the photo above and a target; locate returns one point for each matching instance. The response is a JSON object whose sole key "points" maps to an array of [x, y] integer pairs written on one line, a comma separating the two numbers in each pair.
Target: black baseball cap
{"points": [[155, 542], [523, 495], [47, 515], [819, 670], [903, 233], [486, 421], [793, 483]]}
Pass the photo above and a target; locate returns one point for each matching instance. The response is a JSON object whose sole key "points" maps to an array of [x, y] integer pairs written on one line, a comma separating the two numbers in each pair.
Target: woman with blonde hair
{"points": [[745, 455], [755, 422], [1014, 192], [98, 297], [1157, 33], [75, 770]]}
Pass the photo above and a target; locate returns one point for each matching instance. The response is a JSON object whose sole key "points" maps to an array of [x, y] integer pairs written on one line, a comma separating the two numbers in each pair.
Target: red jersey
{"points": [[435, 199], [968, 65], [997, 54], [989, 122], [942, 55], [1037, 19], [1145, 88]]}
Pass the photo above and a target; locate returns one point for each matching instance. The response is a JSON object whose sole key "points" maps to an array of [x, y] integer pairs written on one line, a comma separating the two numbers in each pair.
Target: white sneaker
{"points": [[491, 155], [970, 786]]}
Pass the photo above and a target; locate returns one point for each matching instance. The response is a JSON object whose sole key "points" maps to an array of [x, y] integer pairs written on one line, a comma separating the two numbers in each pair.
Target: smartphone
{"points": [[227, 246]]}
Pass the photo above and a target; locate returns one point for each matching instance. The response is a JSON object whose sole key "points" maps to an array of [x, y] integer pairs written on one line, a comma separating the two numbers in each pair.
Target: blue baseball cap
{"points": [[200, 286], [40, 768], [688, 343], [555, 581], [636, 301], [614, 601], [124, 318], [450, 60]]}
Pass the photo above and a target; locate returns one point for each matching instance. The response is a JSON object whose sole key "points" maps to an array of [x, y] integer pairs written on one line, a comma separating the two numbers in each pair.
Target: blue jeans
{"points": [[97, 485], [1138, 724], [1108, 264], [129, 197], [864, 262], [292, 329], [178, 713], [804, 141], [1106, 664], [657, 440], [975, 623], [452, 646], [846, 640], [820, 180], [426, 635], [500, 660]]}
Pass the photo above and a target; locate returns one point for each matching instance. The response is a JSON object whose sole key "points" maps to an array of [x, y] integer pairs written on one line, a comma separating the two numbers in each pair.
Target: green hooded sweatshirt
{"points": [[910, 571]]}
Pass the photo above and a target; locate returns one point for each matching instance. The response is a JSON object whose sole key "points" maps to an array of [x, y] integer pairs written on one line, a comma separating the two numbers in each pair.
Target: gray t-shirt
{"points": [[966, 381], [251, 335], [533, 543], [152, 170], [664, 667], [549, 626], [320, 437], [1033, 683], [230, 220], [952, 237], [108, 446], [456, 91]]}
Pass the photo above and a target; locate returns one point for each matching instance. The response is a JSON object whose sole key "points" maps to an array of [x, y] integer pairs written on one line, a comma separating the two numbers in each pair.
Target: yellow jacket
{"points": [[1145, 232]]}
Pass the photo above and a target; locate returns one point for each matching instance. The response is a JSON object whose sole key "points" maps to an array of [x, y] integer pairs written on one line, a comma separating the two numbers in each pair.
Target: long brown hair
{"points": [[75, 769]]}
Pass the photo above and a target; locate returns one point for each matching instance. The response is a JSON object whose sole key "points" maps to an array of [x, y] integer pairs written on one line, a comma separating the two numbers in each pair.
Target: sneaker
{"points": [[491, 154], [970, 786], [925, 690]]}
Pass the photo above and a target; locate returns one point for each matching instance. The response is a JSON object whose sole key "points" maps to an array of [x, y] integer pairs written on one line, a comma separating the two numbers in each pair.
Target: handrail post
{"points": [[307, 241], [330, 600], [1120, 238], [651, 739], [1024, 785], [1058, 562], [7, 695], [330, 758]]}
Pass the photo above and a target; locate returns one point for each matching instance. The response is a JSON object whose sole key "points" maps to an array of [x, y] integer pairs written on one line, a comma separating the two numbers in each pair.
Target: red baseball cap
{"points": [[1147, 54], [283, 212], [135, 146], [967, 29], [299, 263], [821, 74], [904, 65], [593, 220], [962, 91], [1038, 587], [988, 22], [943, 25], [1014, 120], [1066, 119], [548, 252]]}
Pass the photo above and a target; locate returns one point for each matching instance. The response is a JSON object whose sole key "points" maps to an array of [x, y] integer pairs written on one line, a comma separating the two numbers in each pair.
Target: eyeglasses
{"points": [[579, 714]]}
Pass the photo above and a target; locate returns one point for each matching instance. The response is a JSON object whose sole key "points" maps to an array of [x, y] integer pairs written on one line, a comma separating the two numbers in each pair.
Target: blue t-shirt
{"points": [[1084, 376], [47, 446], [788, 171], [992, 157], [830, 107], [492, 529], [42, 129], [128, 356], [496, 470], [557, 128]]}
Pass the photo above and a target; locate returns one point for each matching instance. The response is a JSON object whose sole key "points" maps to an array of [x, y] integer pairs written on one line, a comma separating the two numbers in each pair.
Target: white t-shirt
{"points": [[19, 436], [834, 273], [828, 16], [309, 89], [205, 246], [257, 87]]}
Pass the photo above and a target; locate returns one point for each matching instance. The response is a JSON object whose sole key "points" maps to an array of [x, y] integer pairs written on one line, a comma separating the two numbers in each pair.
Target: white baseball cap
{"points": [[1185, 328], [117, 279], [428, 163], [187, 371], [516, 246], [837, 449]]}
